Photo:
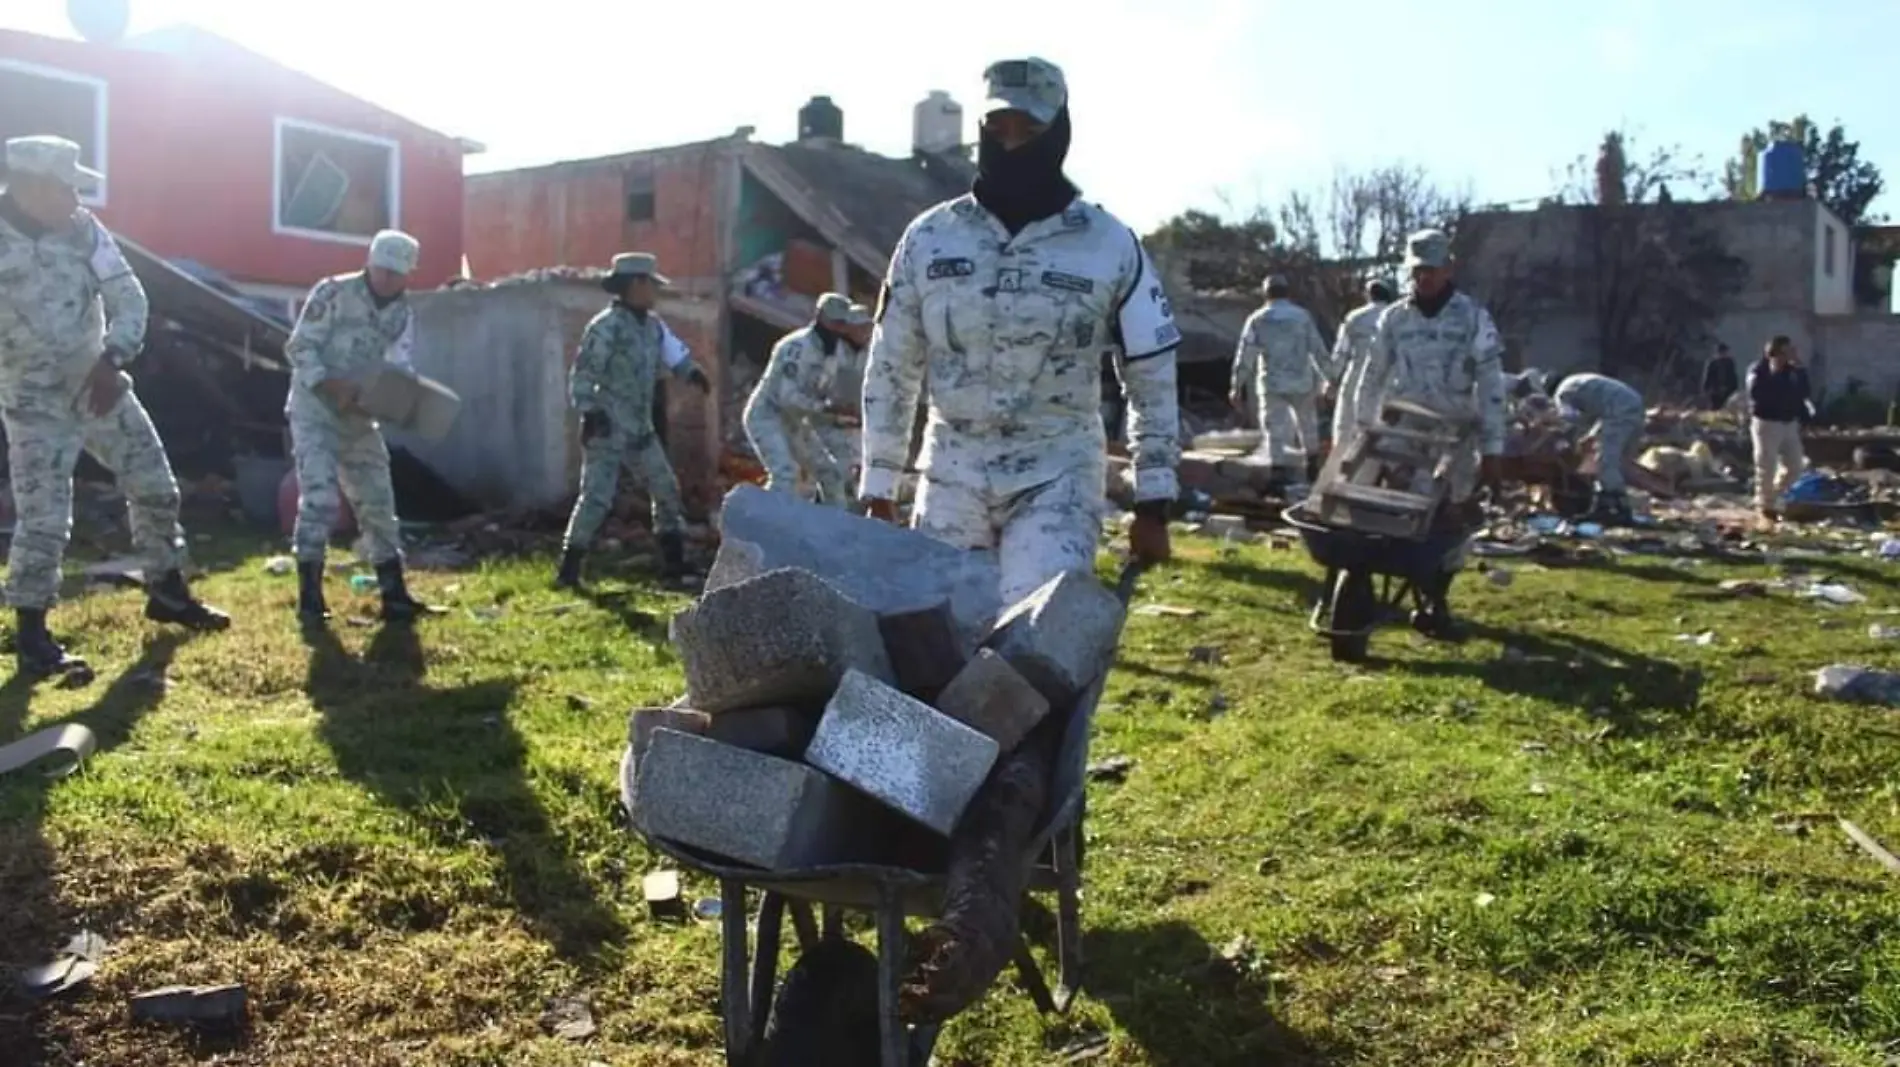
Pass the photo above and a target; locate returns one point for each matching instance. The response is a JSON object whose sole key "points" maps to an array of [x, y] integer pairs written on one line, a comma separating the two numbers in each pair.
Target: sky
{"points": [[1215, 104]]}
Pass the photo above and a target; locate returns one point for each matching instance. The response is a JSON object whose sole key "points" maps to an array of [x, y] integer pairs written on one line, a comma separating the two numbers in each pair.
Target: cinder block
{"points": [[736, 561], [884, 567], [785, 637], [924, 649], [1062, 636], [643, 721], [777, 731], [921, 763], [756, 809], [993, 697], [405, 400]]}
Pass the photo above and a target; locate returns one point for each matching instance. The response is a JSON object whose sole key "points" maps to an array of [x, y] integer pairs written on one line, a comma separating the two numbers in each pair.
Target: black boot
{"points": [[672, 554], [34, 649], [398, 605], [310, 605], [170, 600], [569, 576]]}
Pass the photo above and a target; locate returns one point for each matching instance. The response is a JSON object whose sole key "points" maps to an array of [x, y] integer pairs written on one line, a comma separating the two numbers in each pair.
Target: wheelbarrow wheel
{"points": [[1355, 607]]}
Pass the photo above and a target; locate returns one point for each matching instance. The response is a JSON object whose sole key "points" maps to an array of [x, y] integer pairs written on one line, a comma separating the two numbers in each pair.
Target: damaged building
{"points": [[750, 235]]}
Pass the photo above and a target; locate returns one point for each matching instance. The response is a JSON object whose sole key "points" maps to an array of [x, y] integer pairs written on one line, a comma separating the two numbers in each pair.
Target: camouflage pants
{"points": [[1617, 438], [1037, 534], [1289, 428], [601, 460], [338, 457], [1345, 411], [787, 445], [42, 450]]}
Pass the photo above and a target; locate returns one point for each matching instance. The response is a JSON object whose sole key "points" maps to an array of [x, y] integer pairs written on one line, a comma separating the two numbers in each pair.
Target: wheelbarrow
{"points": [[1369, 577], [749, 972]]}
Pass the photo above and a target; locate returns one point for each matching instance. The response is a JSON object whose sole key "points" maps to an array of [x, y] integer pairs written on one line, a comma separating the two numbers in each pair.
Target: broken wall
{"points": [[506, 350]]}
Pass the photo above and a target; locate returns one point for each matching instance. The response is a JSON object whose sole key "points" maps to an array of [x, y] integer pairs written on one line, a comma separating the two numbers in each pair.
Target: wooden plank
{"points": [[1383, 499]]}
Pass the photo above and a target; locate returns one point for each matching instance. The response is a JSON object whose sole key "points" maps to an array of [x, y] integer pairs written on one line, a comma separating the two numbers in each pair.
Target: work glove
{"points": [[595, 424]]}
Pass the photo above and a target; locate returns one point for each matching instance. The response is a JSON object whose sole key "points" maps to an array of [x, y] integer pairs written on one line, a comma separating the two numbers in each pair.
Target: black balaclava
{"points": [[827, 337], [1027, 184]]}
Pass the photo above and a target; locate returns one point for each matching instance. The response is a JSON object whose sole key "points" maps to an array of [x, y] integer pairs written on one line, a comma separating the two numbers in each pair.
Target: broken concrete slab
{"points": [[924, 648], [179, 1004], [736, 561], [883, 567], [921, 763], [751, 808], [785, 637], [993, 697], [1062, 636]]}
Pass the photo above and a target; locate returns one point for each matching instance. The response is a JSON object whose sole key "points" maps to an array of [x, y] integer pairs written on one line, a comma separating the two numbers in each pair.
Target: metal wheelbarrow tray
{"points": [[749, 973], [1368, 577]]}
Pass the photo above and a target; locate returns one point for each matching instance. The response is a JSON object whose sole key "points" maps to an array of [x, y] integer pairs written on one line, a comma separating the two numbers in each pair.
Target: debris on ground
{"points": [[1858, 684], [71, 967], [1112, 769], [569, 1018], [179, 1005]]}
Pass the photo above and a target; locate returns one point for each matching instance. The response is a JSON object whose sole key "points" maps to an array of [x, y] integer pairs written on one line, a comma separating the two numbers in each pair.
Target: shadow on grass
{"points": [[1185, 1005], [452, 759], [620, 603], [32, 922], [1303, 586]]}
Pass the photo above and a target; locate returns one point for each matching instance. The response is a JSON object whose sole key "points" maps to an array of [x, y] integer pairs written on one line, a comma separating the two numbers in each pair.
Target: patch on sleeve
{"points": [[950, 267]]}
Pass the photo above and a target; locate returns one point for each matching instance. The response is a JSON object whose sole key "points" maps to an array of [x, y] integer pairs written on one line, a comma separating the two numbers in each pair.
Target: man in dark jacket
{"points": [[1778, 401], [1719, 378]]}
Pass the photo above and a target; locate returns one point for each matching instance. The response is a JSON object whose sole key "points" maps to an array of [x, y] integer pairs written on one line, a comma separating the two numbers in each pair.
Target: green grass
{"points": [[1564, 856]]}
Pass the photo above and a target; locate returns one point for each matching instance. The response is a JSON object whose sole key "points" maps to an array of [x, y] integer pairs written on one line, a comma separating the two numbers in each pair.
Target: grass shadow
{"points": [[32, 922], [454, 760], [621, 604], [1185, 1005], [1304, 587]]}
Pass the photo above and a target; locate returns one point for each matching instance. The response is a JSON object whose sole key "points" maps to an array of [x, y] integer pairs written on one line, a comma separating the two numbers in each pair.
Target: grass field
{"points": [[1555, 844]]}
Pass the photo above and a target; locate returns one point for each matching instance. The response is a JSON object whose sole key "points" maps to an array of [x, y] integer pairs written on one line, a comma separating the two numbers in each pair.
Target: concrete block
{"points": [[921, 763], [643, 721], [407, 401], [883, 567], [993, 697], [1062, 636], [785, 637], [735, 562], [924, 649], [752, 808], [776, 731]]}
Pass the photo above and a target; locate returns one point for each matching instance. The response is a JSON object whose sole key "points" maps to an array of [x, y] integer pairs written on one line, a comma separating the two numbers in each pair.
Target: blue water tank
{"points": [[1784, 173]]}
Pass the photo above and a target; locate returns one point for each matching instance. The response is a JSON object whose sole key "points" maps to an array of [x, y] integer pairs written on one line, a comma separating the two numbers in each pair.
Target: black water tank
{"points": [[820, 118]]}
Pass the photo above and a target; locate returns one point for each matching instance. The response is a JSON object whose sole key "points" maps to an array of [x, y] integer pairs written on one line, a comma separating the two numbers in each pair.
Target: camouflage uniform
{"points": [[790, 418], [1616, 409], [1352, 350], [343, 331], [1282, 359], [66, 297], [616, 371], [1451, 362], [1009, 334]]}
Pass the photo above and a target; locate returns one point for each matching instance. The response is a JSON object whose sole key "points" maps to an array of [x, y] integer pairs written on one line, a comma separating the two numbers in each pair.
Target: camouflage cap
{"points": [[634, 265], [51, 157], [834, 307], [394, 250], [1032, 86], [1427, 248], [860, 315]]}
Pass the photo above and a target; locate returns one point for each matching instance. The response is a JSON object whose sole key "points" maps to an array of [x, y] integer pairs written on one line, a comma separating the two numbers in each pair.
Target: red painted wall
{"points": [[191, 157], [575, 214]]}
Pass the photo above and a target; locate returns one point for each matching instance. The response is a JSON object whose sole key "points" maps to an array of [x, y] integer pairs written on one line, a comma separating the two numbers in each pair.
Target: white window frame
{"points": [[277, 225], [101, 92]]}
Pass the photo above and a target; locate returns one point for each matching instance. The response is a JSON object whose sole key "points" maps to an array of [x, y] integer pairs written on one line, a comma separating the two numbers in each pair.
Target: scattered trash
{"points": [[1167, 610], [1484, 900], [1499, 577], [1705, 638], [662, 892], [570, 1019], [577, 702], [181, 1005], [708, 909], [1533, 746], [1741, 587], [279, 565], [1539, 789], [1833, 593], [1113, 769], [1883, 633], [1858, 684], [362, 583], [72, 966]]}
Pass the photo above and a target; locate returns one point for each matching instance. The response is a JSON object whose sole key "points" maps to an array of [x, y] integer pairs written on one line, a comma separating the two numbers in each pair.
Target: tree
{"points": [[1328, 242], [1836, 174], [1651, 270]]}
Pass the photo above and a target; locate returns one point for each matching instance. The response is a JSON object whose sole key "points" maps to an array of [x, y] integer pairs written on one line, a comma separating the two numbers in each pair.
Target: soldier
{"points": [[1282, 362], [1352, 349], [72, 319], [349, 324], [1004, 300], [616, 371], [1616, 414], [1439, 348], [792, 418]]}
